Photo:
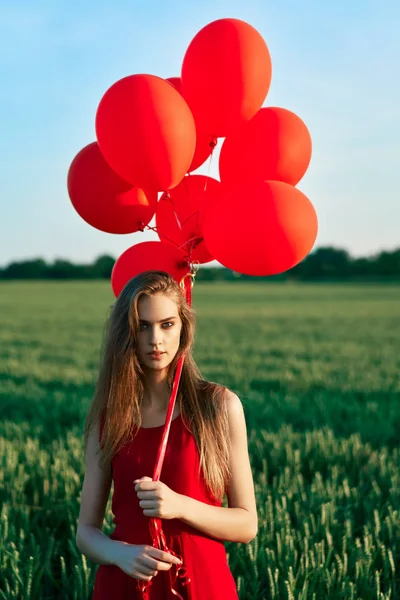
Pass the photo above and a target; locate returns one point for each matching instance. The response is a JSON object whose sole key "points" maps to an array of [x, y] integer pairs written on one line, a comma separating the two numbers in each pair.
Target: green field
{"points": [[317, 369]]}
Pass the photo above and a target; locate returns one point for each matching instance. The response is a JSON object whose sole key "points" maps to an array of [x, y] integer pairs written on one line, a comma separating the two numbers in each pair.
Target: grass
{"points": [[317, 369]]}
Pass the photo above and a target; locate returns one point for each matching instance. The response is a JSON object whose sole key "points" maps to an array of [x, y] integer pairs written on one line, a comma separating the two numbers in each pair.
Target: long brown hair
{"points": [[120, 384]]}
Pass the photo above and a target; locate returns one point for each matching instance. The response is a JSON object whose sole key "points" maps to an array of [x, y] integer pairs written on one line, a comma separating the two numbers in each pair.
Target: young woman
{"points": [[149, 328]]}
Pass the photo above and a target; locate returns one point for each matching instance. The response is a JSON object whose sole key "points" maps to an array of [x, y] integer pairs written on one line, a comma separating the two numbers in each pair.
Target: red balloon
{"points": [[147, 256], [275, 144], [226, 74], [103, 199], [178, 218], [176, 82], [260, 228], [146, 131], [204, 143]]}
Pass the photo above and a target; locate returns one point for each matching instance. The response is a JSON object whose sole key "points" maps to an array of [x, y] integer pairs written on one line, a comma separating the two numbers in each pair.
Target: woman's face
{"points": [[159, 330]]}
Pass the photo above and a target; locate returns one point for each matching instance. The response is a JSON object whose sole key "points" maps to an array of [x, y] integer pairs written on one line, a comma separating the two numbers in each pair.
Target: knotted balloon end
{"points": [[166, 196]]}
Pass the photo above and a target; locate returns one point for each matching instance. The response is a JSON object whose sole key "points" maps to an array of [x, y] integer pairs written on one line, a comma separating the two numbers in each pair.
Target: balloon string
{"points": [[197, 237], [167, 196], [164, 236], [213, 143], [182, 246], [155, 523], [195, 214]]}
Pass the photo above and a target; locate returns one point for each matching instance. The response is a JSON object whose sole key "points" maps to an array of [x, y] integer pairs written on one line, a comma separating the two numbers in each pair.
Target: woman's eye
{"points": [[143, 325]]}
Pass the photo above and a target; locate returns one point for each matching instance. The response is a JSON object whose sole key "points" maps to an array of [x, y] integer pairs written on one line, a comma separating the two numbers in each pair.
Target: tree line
{"points": [[327, 263]]}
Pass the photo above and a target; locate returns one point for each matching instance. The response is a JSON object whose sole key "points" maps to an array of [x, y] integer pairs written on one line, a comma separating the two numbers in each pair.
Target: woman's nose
{"points": [[155, 337]]}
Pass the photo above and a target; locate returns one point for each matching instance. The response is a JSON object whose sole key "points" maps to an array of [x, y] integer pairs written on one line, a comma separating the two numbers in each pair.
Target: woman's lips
{"points": [[156, 356]]}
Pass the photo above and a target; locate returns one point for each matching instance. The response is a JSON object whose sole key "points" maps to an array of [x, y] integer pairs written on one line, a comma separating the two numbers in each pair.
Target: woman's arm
{"points": [[90, 539], [228, 524], [239, 522], [96, 545]]}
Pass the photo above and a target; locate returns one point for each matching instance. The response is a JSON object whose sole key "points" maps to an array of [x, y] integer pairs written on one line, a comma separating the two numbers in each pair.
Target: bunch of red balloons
{"points": [[153, 132]]}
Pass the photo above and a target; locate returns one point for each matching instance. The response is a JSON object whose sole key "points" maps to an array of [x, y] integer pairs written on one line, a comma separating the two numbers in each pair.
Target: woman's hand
{"points": [[142, 561], [157, 499]]}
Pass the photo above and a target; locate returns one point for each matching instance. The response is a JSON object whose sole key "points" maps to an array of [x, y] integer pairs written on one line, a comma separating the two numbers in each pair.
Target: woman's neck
{"points": [[156, 393]]}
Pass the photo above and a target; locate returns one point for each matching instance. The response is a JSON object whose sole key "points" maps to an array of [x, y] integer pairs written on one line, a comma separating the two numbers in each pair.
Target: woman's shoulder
{"points": [[223, 396], [233, 403]]}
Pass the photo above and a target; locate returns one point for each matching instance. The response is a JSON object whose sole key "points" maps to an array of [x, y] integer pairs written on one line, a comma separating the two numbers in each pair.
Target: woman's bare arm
{"points": [[90, 539], [239, 522]]}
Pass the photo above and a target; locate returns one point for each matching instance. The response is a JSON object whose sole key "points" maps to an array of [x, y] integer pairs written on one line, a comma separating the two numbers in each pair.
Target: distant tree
{"points": [[64, 269], [388, 263], [324, 262], [362, 267], [27, 269], [103, 265]]}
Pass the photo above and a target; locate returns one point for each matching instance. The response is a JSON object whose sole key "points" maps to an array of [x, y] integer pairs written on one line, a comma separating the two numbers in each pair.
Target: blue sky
{"points": [[335, 64]]}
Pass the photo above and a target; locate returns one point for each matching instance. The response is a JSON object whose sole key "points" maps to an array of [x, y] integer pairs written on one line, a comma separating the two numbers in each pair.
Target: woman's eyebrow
{"points": [[162, 321]]}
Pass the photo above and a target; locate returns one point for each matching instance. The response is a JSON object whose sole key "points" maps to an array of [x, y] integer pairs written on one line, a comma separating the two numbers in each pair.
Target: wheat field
{"points": [[317, 369]]}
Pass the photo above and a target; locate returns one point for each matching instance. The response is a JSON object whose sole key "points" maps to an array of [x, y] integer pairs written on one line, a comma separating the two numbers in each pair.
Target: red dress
{"points": [[204, 557]]}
